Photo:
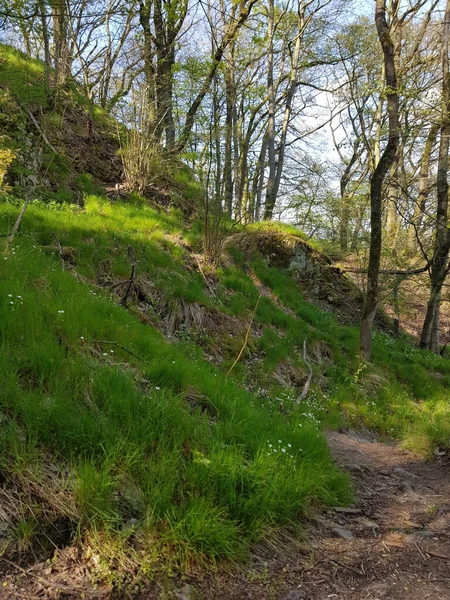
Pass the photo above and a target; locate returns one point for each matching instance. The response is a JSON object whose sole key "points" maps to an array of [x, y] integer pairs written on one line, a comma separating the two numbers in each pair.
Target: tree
{"points": [[439, 267], [377, 179]]}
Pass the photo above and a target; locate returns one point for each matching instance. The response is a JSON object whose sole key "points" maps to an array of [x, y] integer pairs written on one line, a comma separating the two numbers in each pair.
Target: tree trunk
{"points": [[59, 11], [439, 261], [377, 179], [230, 94], [149, 66], [270, 201]]}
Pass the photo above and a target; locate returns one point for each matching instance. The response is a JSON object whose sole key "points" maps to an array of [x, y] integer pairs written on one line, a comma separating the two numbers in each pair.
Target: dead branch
{"points": [[60, 250], [244, 345], [309, 379], [14, 230], [122, 348], [132, 257]]}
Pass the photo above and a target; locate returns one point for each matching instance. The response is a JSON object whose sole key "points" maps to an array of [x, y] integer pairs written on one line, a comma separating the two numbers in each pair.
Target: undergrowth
{"points": [[153, 440]]}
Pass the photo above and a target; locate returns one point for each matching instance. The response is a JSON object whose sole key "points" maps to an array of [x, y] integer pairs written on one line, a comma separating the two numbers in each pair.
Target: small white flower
{"points": [[112, 351], [157, 388], [270, 445], [105, 354], [6, 258], [283, 449], [61, 312], [10, 295], [81, 337], [289, 445], [275, 450], [279, 441], [11, 302]]}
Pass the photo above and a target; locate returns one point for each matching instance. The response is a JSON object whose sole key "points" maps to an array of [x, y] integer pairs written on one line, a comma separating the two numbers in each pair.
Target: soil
{"points": [[392, 544]]}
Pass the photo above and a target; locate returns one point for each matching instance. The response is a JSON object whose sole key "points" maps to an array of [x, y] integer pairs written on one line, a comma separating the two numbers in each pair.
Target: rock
{"points": [[295, 595], [404, 473], [365, 522], [347, 511], [345, 534], [185, 593], [424, 534], [405, 487], [353, 468]]}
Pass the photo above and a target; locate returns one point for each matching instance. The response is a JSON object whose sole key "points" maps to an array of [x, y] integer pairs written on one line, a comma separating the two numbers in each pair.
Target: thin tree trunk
{"points": [[424, 186], [377, 179], [272, 193], [439, 262], [270, 202], [230, 94]]}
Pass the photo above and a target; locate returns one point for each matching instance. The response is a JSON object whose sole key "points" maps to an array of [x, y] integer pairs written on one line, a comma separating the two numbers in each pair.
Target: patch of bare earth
{"points": [[392, 544]]}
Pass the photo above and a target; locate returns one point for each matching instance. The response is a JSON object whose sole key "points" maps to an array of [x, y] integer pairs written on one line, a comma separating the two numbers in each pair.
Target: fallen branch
{"points": [[61, 254], [122, 348], [132, 257], [11, 236], [246, 338], [204, 277], [40, 130], [309, 379], [406, 273]]}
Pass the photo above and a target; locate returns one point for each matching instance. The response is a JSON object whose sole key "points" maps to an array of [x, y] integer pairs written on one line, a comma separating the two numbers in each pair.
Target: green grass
{"points": [[204, 480], [23, 76]]}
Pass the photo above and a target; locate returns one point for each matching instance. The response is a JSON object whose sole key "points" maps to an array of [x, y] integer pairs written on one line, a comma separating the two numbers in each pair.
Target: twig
{"points": [[437, 554], [56, 584], [38, 127], [246, 337], [132, 257], [309, 379], [17, 223], [122, 348], [204, 277], [60, 249]]}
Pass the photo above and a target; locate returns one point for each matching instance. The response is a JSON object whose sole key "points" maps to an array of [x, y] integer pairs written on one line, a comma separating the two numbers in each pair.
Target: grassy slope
{"points": [[203, 479]]}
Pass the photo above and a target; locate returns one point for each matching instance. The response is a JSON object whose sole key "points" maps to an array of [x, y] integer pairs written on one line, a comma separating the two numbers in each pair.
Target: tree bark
{"points": [[439, 262], [377, 179]]}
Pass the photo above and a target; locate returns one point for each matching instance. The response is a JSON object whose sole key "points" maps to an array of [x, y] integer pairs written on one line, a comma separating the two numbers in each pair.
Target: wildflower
{"points": [[11, 302], [289, 445], [283, 449], [111, 351], [157, 388], [61, 312], [105, 354], [81, 337], [10, 295]]}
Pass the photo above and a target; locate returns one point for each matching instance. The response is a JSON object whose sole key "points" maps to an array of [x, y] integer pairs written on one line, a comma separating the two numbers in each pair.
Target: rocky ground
{"points": [[393, 544]]}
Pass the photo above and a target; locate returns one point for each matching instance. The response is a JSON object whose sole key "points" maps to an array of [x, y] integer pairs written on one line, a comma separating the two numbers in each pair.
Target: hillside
{"points": [[152, 423]]}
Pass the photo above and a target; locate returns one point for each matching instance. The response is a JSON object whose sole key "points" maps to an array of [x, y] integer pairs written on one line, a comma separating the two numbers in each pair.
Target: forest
{"points": [[224, 306]]}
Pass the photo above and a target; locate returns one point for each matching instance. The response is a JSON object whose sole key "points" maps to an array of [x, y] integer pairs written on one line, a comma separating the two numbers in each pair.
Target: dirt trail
{"points": [[401, 538], [393, 544]]}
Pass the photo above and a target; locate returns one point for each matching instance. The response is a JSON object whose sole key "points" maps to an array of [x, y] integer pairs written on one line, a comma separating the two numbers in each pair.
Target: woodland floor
{"points": [[393, 544]]}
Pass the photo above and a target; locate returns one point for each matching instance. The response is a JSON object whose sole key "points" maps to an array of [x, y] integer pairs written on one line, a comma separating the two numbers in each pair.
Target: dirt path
{"points": [[393, 544], [401, 536]]}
